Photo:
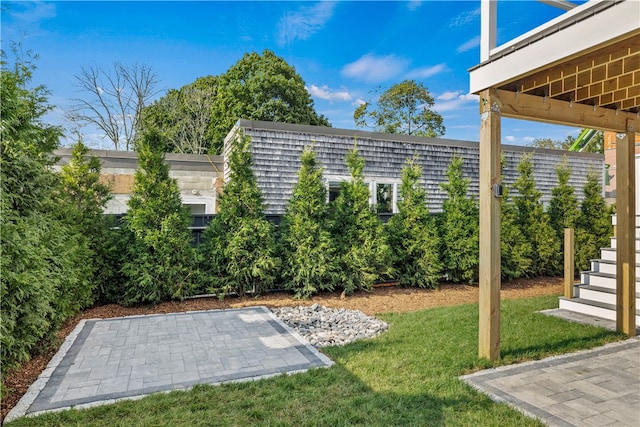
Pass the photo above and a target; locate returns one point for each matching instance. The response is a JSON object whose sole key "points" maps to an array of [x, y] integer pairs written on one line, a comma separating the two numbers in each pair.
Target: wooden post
{"points": [[490, 191], [488, 28], [626, 233], [569, 272]]}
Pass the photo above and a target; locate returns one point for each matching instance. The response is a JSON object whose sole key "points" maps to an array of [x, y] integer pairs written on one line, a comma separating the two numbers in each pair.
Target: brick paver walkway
{"points": [[598, 387], [105, 360]]}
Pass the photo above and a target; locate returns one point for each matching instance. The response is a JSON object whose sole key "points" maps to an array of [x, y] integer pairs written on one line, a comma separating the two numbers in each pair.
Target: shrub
{"points": [[38, 251], [459, 227], [515, 260], [82, 200], [160, 261], [563, 206], [361, 250], [238, 252], [306, 246], [534, 222], [413, 235]]}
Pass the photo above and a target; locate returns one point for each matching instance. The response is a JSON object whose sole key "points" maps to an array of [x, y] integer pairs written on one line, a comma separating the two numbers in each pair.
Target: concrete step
{"points": [[609, 254], [614, 243], [604, 280], [608, 266], [592, 308], [598, 294]]}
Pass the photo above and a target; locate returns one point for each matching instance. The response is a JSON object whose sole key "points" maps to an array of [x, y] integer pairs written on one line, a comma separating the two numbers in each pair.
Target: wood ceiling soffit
{"points": [[608, 77]]}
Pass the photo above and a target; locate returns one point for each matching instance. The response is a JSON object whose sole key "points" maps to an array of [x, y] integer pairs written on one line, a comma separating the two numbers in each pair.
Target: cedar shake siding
{"points": [[276, 149]]}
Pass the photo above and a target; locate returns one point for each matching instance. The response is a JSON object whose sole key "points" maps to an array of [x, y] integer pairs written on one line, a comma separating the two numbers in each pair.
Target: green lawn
{"points": [[408, 376]]}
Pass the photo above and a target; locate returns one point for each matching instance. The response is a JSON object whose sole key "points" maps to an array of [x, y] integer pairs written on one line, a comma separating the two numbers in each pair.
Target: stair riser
{"points": [[614, 220], [611, 255], [608, 268], [605, 297], [614, 243], [603, 282], [591, 310]]}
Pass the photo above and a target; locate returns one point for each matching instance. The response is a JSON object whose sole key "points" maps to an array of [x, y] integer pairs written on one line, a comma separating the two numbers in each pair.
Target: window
{"points": [[384, 198], [334, 190]]}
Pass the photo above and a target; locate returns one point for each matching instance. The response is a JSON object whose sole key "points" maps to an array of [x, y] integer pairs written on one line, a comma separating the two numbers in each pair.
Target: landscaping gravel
{"points": [[323, 326]]}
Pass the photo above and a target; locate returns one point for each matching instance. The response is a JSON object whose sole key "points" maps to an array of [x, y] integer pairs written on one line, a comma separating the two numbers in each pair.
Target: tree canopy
{"points": [[197, 117], [183, 116], [405, 108]]}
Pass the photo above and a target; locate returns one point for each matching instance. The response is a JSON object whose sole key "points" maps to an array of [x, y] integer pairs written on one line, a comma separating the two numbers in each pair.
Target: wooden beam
{"points": [[530, 107], [569, 269], [626, 233], [489, 280]]}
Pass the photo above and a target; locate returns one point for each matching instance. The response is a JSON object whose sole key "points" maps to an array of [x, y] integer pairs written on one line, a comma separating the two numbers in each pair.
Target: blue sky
{"points": [[343, 50]]}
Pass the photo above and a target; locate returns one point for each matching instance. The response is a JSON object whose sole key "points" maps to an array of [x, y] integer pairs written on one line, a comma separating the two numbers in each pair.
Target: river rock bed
{"points": [[323, 326]]}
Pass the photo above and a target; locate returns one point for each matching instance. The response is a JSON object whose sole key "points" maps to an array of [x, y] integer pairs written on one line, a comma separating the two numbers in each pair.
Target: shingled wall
{"points": [[276, 149]]}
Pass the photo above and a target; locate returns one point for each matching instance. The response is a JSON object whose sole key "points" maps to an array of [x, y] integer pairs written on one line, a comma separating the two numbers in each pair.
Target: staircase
{"points": [[596, 294]]}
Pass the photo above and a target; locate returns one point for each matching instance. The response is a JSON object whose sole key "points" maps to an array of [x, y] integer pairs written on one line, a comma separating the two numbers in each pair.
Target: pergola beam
{"points": [[549, 110]]}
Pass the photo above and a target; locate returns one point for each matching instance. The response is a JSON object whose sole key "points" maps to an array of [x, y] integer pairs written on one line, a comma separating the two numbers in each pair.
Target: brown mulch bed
{"points": [[380, 300]]}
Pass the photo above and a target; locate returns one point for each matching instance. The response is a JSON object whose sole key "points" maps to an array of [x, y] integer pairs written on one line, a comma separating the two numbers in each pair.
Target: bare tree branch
{"points": [[115, 98]]}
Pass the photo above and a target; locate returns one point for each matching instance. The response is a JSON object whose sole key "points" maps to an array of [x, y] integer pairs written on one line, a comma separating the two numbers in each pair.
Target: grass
{"points": [[408, 376]]}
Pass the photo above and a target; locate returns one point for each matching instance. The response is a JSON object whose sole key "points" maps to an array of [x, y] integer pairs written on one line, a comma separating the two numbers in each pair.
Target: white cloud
{"points": [[323, 92], [34, 11], [304, 22], [358, 102], [470, 44], [375, 69], [454, 100], [448, 96], [426, 72], [528, 139], [414, 4], [510, 138], [464, 18]]}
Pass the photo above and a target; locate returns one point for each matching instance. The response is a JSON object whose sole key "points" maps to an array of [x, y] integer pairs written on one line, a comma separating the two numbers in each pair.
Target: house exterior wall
{"points": [[199, 177], [610, 160], [277, 147]]}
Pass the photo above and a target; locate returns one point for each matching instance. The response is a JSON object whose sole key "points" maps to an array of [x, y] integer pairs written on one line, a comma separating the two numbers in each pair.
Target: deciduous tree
{"points": [[184, 117], [405, 108], [261, 87], [114, 100]]}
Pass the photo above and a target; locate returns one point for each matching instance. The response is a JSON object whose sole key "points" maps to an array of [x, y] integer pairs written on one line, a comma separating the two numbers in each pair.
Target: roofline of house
{"points": [[365, 135], [116, 158]]}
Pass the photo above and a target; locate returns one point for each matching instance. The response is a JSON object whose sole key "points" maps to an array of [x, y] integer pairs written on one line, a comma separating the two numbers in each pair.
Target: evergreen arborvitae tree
{"points": [[161, 260], [307, 249], [534, 222], [362, 252], [459, 227], [515, 252], [594, 228], [81, 203], [42, 261], [239, 250], [563, 206], [413, 235]]}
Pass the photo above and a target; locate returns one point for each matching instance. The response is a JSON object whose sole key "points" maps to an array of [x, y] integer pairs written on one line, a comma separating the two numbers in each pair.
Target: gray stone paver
{"points": [[105, 360], [598, 387]]}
